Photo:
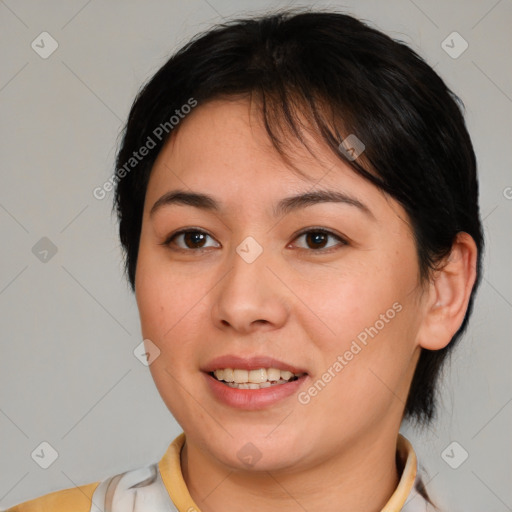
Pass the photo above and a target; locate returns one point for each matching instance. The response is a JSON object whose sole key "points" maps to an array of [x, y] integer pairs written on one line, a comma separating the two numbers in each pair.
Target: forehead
{"points": [[223, 149], [226, 139]]}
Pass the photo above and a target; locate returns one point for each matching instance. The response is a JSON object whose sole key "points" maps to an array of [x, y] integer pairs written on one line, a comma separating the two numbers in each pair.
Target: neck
{"points": [[362, 477]]}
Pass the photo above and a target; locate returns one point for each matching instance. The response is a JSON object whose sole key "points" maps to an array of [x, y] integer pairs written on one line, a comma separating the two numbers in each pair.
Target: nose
{"points": [[250, 297]]}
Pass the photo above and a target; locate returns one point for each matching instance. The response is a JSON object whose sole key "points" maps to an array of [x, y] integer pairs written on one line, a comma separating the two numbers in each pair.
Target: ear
{"points": [[447, 297]]}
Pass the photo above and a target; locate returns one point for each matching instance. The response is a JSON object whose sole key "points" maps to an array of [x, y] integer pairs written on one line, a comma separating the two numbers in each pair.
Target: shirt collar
{"points": [[172, 476]]}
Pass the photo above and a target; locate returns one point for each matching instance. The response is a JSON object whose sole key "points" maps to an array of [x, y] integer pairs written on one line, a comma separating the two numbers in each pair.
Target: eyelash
{"points": [[173, 236]]}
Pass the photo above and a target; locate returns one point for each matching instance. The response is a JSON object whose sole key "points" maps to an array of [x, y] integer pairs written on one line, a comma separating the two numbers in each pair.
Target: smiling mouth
{"points": [[254, 379]]}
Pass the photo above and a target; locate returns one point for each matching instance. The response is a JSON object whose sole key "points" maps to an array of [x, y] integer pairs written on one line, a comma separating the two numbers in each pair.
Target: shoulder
{"points": [[138, 490], [77, 499], [145, 489]]}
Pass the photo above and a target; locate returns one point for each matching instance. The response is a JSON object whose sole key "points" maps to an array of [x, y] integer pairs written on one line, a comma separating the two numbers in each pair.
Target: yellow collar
{"points": [[170, 469]]}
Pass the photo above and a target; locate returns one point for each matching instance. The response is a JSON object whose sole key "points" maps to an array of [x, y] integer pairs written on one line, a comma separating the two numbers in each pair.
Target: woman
{"points": [[298, 206]]}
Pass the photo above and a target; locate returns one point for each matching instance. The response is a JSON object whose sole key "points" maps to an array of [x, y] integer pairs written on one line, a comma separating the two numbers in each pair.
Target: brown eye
{"points": [[317, 239], [194, 239], [191, 239]]}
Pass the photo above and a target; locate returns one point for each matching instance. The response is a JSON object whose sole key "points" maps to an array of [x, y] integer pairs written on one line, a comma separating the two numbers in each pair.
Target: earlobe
{"points": [[449, 292]]}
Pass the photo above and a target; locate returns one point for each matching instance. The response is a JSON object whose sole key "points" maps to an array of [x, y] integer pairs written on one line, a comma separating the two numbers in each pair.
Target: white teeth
{"points": [[258, 376], [286, 375], [228, 375], [241, 376], [253, 379], [273, 374]]}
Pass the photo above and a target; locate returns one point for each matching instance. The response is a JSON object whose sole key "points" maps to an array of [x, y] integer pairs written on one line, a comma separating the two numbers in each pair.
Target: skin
{"points": [[294, 303]]}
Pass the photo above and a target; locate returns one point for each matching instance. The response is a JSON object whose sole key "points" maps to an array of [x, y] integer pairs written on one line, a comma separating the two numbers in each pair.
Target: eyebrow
{"points": [[285, 206]]}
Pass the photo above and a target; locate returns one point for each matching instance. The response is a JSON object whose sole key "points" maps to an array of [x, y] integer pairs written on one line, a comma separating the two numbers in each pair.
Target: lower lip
{"points": [[252, 399]]}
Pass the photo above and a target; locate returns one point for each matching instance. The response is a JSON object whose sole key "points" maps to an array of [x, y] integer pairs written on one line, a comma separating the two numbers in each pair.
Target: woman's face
{"points": [[325, 289]]}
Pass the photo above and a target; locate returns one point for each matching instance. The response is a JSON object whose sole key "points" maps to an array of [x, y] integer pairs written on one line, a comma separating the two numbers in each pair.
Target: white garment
{"points": [[140, 490], [143, 490]]}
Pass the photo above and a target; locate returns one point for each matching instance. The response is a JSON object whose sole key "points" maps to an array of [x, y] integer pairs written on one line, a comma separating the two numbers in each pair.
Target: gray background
{"points": [[69, 324]]}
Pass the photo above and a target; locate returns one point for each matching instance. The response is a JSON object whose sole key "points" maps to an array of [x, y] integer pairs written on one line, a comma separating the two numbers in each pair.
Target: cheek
{"points": [[353, 299], [160, 299], [168, 310], [377, 346], [173, 309], [372, 309]]}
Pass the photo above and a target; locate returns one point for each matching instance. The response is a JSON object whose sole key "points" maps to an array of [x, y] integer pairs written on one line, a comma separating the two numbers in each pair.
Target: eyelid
{"points": [[318, 229], [182, 231], [312, 229]]}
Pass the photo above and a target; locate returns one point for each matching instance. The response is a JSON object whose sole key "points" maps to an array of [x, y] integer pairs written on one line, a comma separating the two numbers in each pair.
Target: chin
{"points": [[254, 449]]}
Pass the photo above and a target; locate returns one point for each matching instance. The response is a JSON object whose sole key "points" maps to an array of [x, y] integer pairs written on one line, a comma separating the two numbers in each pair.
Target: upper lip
{"points": [[249, 363]]}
